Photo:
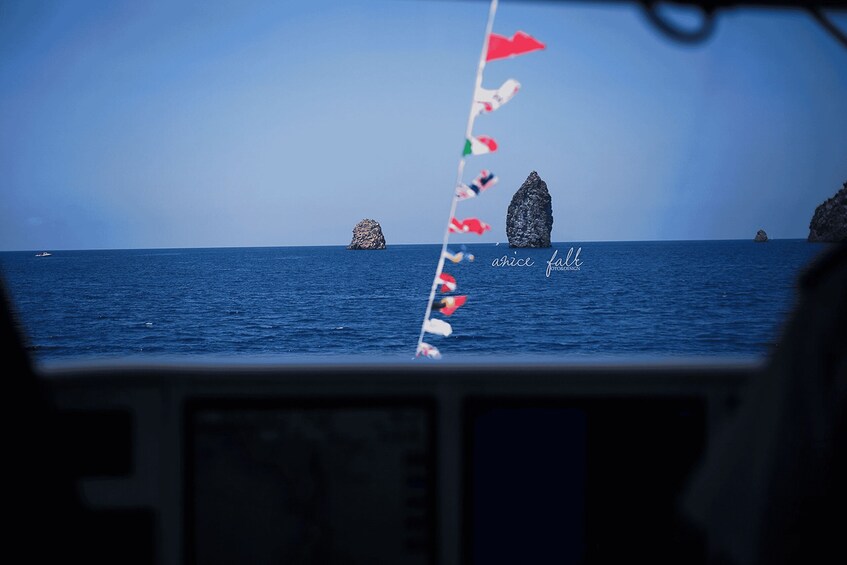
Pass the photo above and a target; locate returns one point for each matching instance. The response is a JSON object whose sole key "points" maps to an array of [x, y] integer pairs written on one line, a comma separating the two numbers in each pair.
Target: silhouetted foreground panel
{"points": [[580, 480]]}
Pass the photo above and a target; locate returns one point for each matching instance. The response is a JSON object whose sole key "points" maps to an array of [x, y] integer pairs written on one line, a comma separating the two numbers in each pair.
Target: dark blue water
{"points": [[712, 298]]}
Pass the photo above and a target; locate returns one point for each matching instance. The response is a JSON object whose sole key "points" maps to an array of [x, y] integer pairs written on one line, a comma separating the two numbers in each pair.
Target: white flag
{"points": [[438, 327], [486, 101]]}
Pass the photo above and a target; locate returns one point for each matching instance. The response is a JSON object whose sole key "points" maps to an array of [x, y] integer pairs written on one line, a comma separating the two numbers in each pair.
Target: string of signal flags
{"points": [[485, 101]]}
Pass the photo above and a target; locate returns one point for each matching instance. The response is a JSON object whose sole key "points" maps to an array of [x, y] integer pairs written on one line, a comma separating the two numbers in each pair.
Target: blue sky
{"points": [[206, 124]]}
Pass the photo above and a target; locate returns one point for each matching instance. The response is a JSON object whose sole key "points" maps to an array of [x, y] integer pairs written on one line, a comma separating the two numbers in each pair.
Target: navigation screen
{"points": [[320, 484]]}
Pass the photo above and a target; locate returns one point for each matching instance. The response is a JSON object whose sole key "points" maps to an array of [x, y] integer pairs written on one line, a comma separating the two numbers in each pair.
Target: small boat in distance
{"points": [[43, 254]]}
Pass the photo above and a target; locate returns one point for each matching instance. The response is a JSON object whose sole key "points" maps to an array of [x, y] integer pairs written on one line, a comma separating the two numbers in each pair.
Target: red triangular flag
{"points": [[500, 47]]}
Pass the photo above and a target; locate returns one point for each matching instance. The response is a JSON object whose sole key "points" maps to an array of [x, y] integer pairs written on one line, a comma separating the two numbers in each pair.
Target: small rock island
{"points": [[829, 224], [761, 237], [529, 219], [367, 234]]}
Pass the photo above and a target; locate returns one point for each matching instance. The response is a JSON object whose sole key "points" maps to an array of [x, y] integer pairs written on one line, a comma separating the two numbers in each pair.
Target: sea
{"points": [[575, 301]]}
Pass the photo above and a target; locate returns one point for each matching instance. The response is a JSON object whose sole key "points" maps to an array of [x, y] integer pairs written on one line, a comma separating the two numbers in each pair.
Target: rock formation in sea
{"points": [[367, 235], [830, 220], [761, 237], [529, 219]]}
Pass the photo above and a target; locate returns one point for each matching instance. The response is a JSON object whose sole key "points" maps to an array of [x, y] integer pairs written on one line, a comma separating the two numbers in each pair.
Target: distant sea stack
{"points": [[367, 235], [830, 220], [529, 219], [761, 237]]}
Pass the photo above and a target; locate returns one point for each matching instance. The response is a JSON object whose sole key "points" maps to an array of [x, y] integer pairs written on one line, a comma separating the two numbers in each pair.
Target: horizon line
{"points": [[37, 250]]}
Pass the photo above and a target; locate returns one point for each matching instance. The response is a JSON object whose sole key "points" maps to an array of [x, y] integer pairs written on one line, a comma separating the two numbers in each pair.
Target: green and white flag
{"points": [[479, 146]]}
